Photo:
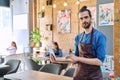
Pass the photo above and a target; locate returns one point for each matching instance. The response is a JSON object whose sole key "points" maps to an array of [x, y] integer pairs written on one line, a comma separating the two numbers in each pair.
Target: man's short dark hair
{"points": [[84, 8]]}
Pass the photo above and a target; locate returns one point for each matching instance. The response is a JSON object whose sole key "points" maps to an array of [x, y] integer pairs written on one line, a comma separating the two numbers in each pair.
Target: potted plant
{"points": [[35, 37], [38, 61]]}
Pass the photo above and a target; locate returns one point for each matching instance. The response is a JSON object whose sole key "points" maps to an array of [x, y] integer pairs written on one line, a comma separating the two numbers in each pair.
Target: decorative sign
{"points": [[106, 14], [63, 21]]}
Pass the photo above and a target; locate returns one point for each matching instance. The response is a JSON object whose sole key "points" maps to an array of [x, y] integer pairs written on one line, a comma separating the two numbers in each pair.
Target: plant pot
{"points": [[39, 44]]}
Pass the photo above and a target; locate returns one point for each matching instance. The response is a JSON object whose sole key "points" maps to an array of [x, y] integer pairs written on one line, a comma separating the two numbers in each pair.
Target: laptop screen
{"points": [[51, 51]]}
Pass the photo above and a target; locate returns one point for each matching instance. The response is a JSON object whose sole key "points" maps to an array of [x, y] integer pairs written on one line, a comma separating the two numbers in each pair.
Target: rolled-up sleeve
{"points": [[76, 45], [101, 47]]}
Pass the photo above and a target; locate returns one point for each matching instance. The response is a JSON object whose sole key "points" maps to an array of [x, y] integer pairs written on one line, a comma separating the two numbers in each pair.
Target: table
{"points": [[38, 51], [4, 53], [36, 75], [4, 66]]}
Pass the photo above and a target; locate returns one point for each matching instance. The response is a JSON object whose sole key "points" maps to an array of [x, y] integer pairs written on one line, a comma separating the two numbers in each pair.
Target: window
{"points": [[5, 27]]}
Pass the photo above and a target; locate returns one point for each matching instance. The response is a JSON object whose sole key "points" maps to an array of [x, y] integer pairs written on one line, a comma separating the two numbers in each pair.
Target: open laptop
{"points": [[51, 51]]}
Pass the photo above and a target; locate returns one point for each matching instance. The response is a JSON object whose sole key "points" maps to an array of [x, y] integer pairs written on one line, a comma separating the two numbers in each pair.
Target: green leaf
{"points": [[35, 36]]}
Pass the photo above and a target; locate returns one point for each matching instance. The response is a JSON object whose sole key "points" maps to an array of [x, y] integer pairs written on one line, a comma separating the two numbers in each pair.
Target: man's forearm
{"points": [[63, 59], [60, 59], [91, 61]]}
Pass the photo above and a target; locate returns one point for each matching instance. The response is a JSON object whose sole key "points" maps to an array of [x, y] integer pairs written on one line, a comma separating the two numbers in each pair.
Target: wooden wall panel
{"points": [[117, 38], [31, 15], [41, 22], [65, 41]]}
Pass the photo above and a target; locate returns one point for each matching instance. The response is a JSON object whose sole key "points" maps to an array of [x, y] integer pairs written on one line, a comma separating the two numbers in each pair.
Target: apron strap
{"points": [[82, 36], [91, 36]]}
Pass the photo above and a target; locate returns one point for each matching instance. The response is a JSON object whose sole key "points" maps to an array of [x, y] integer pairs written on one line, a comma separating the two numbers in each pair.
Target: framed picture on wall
{"points": [[106, 14], [63, 21]]}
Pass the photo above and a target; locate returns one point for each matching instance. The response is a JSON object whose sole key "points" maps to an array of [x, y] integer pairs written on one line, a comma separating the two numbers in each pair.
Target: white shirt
{"points": [[12, 50]]}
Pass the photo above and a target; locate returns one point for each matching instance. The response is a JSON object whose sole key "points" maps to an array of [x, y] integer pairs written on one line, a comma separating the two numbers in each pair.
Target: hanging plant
{"points": [[36, 36]]}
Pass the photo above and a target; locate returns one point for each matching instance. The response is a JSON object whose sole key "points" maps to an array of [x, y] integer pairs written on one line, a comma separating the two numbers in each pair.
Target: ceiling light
{"points": [[12, 2], [82, 0], [26, 4], [65, 3], [43, 7], [54, 5], [77, 2]]}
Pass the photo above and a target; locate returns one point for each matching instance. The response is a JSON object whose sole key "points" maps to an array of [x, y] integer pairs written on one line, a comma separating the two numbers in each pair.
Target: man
{"points": [[90, 49]]}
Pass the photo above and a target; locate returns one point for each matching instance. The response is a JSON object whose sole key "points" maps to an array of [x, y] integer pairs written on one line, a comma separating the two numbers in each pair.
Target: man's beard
{"points": [[86, 25]]}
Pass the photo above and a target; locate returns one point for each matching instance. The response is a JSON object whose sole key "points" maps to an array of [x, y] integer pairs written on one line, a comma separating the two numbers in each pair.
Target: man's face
{"points": [[85, 19]]}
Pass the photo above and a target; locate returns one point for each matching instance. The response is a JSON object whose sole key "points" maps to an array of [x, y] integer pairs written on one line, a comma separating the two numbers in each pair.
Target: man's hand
{"points": [[52, 58], [72, 57], [90, 61]]}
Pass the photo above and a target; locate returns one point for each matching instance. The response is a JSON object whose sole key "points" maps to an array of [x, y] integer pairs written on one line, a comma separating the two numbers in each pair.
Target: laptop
{"points": [[51, 52]]}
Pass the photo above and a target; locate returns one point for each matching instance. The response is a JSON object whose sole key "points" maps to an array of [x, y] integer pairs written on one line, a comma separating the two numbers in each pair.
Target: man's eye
{"points": [[81, 18]]}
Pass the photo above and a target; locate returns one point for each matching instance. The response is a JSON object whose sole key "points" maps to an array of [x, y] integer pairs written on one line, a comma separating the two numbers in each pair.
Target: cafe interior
{"points": [[33, 26]]}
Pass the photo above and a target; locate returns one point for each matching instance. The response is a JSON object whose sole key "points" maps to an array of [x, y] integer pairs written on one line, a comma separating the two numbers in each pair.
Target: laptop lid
{"points": [[51, 52]]}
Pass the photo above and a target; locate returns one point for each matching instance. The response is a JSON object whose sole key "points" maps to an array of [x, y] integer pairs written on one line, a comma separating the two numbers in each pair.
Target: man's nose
{"points": [[84, 21]]}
